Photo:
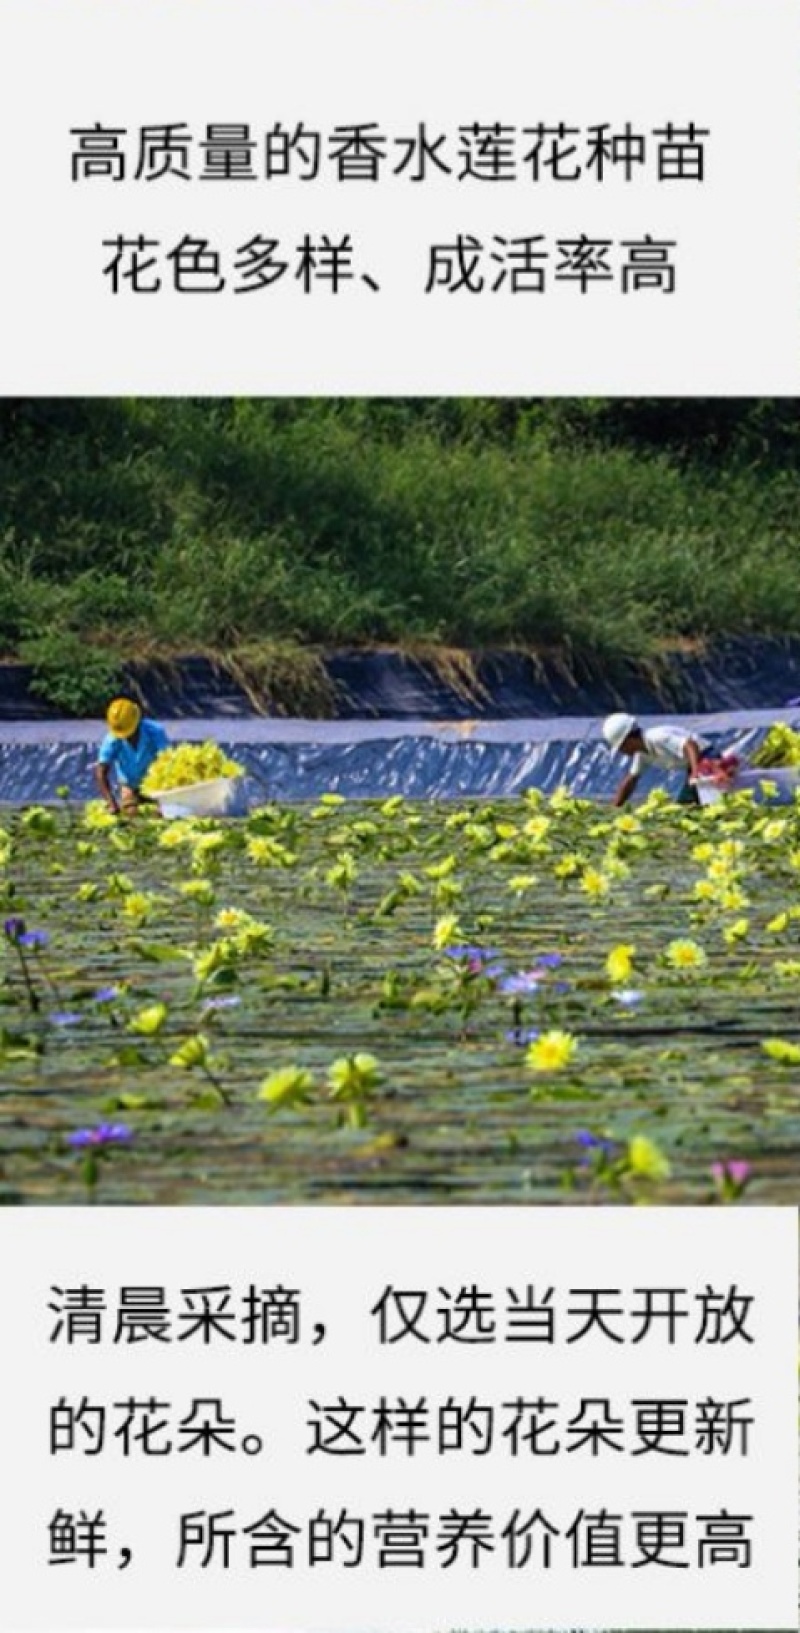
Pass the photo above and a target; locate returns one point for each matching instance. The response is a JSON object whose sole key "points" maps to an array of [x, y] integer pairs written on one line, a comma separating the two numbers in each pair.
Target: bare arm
{"points": [[692, 755], [625, 789], [103, 781]]}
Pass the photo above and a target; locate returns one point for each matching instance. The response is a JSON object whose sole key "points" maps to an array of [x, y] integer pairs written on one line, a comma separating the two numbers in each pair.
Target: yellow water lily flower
{"points": [[230, 918], [594, 883], [139, 905], [96, 816], [551, 1051], [447, 932], [148, 1021], [291, 1086], [619, 963], [198, 890], [685, 954], [568, 865], [736, 931], [644, 1157], [732, 900], [777, 925], [779, 1049]]}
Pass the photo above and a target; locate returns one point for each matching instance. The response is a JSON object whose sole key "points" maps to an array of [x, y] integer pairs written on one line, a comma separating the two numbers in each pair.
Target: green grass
{"points": [[257, 530]]}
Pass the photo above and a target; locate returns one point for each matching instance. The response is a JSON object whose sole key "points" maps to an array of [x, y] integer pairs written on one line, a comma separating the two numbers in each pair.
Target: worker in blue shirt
{"points": [[127, 752]]}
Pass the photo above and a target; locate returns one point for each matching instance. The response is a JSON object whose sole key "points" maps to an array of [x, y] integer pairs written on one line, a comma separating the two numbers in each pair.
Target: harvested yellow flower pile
{"points": [[781, 746], [188, 763]]}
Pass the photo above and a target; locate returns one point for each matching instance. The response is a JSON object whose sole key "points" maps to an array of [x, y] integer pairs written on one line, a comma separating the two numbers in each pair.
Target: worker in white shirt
{"points": [[670, 747]]}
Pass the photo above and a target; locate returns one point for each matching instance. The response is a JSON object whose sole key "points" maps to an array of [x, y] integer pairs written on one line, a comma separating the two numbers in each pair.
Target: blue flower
{"points": [[523, 981], [221, 1003], [549, 961], [106, 995], [521, 1036], [104, 1134], [14, 929], [33, 938], [628, 997], [65, 1017], [594, 1144]]}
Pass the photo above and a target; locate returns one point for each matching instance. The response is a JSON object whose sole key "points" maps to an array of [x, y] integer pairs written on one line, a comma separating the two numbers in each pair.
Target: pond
{"points": [[497, 1002]]}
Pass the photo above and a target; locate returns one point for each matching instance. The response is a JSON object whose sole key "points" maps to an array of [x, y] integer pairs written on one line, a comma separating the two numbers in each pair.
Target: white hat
{"points": [[616, 728]]}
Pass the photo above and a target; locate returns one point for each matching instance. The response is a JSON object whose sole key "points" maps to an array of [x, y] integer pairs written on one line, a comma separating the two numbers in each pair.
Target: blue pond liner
{"points": [[295, 760]]}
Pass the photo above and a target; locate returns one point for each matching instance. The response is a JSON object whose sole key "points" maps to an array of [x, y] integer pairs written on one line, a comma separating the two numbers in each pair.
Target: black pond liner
{"points": [[294, 760]]}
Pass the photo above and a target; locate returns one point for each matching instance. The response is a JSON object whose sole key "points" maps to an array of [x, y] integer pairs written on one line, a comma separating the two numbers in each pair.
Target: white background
{"points": [[732, 326], [342, 1259]]}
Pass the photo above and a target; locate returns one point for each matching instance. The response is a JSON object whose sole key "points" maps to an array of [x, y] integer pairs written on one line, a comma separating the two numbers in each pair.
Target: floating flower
{"points": [[628, 997], [525, 981], [736, 931], [552, 1051], [33, 939], [684, 954], [645, 1158], [619, 962], [14, 929], [446, 932], [731, 1178], [353, 1074], [148, 1021], [230, 918], [780, 1050], [595, 883], [595, 1146], [291, 1086], [65, 1017], [191, 1054], [104, 1134]]}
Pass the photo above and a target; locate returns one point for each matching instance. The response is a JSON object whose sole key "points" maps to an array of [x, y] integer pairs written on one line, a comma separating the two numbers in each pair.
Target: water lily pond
{"points": [[535, 1000]]}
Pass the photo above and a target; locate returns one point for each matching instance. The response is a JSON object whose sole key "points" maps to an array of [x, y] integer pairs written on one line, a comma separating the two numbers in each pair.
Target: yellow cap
{"points": [[123, 716]]}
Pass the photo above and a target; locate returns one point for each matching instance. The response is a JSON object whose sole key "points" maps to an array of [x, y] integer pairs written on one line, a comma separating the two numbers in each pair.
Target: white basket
{"points": [[200, 799], [783, 778]]}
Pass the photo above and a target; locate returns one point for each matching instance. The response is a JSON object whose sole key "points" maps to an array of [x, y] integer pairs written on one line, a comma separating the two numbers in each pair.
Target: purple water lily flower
{"points": [[230, 1002], [33, 938], [548, 961], [523, 981], [106, 995], [521, 1036], [14, 929], [104, 1134], [594, 1144], [65, 1017], [734, 1172]]}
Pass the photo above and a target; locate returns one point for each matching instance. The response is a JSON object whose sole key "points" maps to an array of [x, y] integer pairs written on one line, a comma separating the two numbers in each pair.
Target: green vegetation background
{"points": [[264, 531]]}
